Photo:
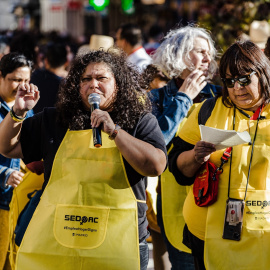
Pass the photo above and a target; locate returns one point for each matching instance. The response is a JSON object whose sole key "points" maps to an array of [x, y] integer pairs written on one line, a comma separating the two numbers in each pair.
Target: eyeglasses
{"points": [[242, 80]]}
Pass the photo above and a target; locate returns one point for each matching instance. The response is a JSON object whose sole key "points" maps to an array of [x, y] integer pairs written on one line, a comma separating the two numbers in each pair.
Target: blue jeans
{"points": [[144, 255], [180, 260]]}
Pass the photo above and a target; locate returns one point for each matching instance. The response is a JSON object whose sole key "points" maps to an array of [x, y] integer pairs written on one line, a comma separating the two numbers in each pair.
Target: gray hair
{"points": [[173, 53]]}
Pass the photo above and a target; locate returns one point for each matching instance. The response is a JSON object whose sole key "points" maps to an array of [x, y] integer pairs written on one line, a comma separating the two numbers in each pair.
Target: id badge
{"points": [[233, 219]]}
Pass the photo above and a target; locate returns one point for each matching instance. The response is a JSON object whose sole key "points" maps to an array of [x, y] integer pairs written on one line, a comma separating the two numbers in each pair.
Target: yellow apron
{"points": [[31, 182], [252, 251], [87, 216], [173, 196]]}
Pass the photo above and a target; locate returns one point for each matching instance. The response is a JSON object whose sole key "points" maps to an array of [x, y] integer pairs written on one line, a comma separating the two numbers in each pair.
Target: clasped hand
{"points": [[26, 98], [15, 178]]}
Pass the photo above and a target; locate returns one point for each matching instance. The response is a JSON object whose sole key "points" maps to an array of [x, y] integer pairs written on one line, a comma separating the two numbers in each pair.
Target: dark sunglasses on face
{"points": [[242, 80]]}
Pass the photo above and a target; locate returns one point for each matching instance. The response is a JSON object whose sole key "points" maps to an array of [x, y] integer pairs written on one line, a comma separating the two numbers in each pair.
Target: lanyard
{"points": [[255, 116]]}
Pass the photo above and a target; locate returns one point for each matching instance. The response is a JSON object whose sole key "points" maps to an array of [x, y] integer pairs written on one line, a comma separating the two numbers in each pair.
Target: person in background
{"points": [[26, 44], [154, 38], [15, 72], [97, 42], [129, 38], [103, 187], [216, 236], [4, 46], [186, 56], [48, 79]]}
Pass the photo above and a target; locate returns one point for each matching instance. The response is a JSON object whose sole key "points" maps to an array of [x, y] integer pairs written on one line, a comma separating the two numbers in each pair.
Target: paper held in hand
{"points": [[223, 138]]}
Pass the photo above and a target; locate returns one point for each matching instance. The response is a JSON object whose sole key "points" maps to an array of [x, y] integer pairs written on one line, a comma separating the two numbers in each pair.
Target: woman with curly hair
{"points": [[92, 213]]}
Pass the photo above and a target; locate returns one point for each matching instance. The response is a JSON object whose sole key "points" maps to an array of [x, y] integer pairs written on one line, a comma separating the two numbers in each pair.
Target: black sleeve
{"points": [[179, 146], [148, 131], [31, 138], [40, 138]]}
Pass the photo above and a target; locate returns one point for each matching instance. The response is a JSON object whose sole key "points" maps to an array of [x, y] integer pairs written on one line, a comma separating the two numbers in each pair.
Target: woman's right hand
{"points": [[26, 98], [15, 178], [193, 84], [202, 151]]}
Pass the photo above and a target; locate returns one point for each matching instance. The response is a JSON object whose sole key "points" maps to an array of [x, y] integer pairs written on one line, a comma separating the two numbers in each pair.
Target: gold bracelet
{"points": [[15, 117]]}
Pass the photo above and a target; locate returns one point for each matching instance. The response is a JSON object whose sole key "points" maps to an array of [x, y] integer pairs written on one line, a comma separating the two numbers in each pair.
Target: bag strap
{"points": [[206, 110], [224, 159]]}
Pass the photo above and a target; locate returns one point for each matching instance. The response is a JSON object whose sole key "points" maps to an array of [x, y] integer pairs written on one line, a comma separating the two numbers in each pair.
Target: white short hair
{"points": [[172, 56]]}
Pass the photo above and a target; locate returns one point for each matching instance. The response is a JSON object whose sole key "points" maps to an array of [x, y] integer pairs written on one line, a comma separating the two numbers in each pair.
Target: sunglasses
{"points": [[242, 80]]}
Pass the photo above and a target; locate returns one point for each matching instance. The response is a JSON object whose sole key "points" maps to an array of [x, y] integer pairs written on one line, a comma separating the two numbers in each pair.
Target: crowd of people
{"points": [[147, 104]]}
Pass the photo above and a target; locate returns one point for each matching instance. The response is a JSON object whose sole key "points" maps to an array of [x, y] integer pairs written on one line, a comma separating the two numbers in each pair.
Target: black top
{"points": [[48, 85], [41, 137]]}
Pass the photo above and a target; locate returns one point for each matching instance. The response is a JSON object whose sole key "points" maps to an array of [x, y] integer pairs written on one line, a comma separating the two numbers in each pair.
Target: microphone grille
{"points": [[94, 98]]}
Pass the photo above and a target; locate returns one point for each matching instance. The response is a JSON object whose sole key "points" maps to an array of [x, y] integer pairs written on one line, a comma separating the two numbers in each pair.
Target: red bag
{"points": [[205, 187]]}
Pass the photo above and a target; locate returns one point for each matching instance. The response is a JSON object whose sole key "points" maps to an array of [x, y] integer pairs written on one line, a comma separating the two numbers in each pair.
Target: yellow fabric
{"points": [[87, 215], [31, 182], [3, 237], [251, 252], [195, 221], [173, 197], [150, 213]]}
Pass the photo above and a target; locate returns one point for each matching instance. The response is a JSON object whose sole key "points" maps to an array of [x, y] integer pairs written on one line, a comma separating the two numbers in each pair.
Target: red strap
{"points": [[256, 114], [227, 154]]}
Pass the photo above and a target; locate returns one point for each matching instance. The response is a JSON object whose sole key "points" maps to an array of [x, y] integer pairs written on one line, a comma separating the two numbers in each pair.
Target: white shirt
{"points": [[140, 58]]}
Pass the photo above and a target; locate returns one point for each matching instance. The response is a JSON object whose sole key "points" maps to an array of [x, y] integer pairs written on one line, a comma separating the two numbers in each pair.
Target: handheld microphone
{"points": [[94, 100]]}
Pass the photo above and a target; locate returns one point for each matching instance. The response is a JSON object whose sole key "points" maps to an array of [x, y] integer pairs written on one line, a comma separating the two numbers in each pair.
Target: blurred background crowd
{"points": [[74, 21]]}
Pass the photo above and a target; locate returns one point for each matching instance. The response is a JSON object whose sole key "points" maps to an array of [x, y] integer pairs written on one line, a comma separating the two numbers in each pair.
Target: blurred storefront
{"points": [[86, 17]]}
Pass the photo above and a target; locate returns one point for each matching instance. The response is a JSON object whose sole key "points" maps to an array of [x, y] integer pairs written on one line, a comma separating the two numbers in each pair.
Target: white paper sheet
{"points": [[223, 138]]}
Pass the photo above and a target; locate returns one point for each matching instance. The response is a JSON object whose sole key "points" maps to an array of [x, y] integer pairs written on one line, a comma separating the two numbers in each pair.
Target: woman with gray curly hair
{"points": [[174, 55], [92, 213], [187, 57]]}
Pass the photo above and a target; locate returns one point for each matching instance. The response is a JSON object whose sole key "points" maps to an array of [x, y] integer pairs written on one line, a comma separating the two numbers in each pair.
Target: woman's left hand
{"points": [[102, 119], [202, 151]]}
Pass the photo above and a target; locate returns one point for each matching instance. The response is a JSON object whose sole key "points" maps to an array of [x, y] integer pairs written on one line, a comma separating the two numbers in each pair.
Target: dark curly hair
{"points": [[242, 58], [130, 101], [149, 74]]}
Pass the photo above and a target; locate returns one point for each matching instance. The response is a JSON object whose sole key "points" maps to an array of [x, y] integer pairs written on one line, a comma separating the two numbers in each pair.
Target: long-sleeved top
{"points": [[7, 165], [170, 106]]}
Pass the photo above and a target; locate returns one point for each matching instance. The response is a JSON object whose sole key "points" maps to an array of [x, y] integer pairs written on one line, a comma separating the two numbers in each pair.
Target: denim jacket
{"points": [[7, 165], [171, 106]]}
